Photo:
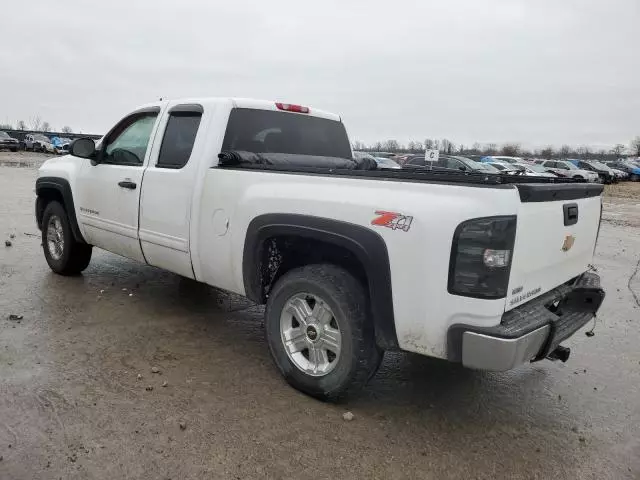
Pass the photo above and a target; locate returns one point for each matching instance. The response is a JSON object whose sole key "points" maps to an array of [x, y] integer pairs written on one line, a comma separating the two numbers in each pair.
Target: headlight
{"points": [[481, 256]]}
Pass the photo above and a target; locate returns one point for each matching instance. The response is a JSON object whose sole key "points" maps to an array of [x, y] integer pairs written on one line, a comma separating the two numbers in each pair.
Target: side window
{"points": [[417, 161], [127, 143], [455, 164], [178, 140]]}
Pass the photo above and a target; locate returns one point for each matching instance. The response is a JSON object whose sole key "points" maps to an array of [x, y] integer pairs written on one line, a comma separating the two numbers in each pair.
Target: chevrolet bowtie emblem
{"points": [[568, 242]]}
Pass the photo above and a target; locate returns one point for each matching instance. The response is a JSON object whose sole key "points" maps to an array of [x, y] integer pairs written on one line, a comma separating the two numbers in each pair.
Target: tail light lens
{"points": [[481, 257]]}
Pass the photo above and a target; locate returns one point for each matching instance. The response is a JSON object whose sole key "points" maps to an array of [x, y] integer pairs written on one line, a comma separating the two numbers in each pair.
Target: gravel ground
{"points": [[79, 397]]}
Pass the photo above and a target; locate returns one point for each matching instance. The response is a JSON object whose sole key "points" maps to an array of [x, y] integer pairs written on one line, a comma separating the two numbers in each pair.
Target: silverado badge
{"points": [[568, 242]]}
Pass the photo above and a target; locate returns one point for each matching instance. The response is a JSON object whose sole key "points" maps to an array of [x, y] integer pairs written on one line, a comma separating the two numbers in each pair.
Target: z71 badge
{"points": [[392, 220]]}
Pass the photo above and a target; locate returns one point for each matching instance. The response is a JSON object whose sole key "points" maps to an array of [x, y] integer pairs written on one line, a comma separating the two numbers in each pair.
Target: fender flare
{"points": [[366, 245], [61, 186]]}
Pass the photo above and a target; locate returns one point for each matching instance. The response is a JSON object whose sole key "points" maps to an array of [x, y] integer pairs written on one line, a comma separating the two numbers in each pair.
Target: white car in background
{"points": [[535, 170], [567, 169]]}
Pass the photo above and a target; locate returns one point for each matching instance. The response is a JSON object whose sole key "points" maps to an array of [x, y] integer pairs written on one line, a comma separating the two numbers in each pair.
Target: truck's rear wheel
{"points": [[319, 331], [63, 253]]}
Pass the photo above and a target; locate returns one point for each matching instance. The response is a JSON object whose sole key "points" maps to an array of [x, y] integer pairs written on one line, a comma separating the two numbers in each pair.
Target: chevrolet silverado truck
{"points": [[266, 200]]}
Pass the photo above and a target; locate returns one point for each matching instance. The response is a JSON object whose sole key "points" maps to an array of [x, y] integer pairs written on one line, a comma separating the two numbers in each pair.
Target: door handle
{"points": [[127, 184]]}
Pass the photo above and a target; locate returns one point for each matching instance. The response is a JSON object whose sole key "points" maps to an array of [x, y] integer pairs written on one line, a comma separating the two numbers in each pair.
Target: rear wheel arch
{"points": [[278, 243], [50, 189]]}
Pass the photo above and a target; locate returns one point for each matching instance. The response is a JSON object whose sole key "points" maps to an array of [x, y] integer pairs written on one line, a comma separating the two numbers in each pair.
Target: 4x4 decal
{"points": [[393, 220]]}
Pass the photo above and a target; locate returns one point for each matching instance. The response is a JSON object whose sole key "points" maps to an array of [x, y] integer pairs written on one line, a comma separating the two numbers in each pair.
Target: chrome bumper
{"points": [[529, 332], [484, 352]]}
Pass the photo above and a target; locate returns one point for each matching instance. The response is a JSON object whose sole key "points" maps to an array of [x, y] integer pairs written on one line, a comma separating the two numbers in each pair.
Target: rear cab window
{"points": [[268, 131]]}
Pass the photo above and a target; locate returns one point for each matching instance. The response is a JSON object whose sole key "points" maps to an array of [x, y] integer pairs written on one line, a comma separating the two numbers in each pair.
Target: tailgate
{"points": [[556, 234]]}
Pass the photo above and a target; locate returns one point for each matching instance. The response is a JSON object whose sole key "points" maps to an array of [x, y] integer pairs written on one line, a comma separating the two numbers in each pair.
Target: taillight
{"points": [[292, 108], [481, 256]]}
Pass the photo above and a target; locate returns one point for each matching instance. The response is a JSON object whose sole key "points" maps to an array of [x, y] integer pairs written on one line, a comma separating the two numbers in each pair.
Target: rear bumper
{"points": [[529, 332]]}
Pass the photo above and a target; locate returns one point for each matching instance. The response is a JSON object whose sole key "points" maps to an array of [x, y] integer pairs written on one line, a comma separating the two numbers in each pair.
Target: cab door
{"points": [[108, 189], [168, 189]]}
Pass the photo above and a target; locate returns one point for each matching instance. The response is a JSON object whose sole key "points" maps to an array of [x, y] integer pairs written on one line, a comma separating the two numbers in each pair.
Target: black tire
{"points": [[14, 149], [75, 256], [359, 357]]}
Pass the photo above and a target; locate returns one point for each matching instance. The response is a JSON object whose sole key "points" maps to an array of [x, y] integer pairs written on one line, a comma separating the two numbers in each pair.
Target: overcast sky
{"points": [[532, 71]]}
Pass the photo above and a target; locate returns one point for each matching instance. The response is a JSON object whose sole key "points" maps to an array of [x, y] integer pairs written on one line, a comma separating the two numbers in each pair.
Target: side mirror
{"points": [[462, 169], [83, 148]]}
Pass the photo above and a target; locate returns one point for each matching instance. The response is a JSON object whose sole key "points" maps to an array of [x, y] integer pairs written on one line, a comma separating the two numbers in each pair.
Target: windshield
{"points": [[41, 137], [599, 165], [268, 131], [386, 162], [485, 167], [569, 165], [536, 168], [4, 135]]}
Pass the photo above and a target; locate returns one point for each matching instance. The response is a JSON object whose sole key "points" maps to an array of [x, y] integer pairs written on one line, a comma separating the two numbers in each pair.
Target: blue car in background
{"points": [[60, 145], [629, 166]]}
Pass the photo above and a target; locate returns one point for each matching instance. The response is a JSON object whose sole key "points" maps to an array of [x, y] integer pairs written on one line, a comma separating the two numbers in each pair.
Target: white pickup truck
{"points": [[266, 200]]}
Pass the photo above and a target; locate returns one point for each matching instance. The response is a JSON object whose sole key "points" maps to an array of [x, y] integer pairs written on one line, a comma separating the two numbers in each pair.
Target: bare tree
{"points": [[617, 150], [475, 148], [511, 149], [565, 151], [6, 126], [446, 146], [491, 149], [546, 153], [391, 146], [46, 127], [67, 129], [428, 144], [21, 125], [35, 122], [417, 145], [635, 146], [583, 151]]}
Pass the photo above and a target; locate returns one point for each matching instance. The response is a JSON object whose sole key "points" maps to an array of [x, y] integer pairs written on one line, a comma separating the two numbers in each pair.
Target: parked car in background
{"points": [[604, 172], [380, 162], [502, 159], [622, 175], [628, 167], [535, 170], [465, 164], [387, 163], [567, 169], [38, 143], [59, 144], [506, 168], [8, 142], [382, 154]]}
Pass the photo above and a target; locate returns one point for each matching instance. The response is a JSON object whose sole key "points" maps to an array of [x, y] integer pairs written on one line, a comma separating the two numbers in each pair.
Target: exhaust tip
{"points": [[560, 353]]}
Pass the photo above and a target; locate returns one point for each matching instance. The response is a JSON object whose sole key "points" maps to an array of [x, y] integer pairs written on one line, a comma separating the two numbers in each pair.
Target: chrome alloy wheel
{"points": [[310, 334], [55, 237]]}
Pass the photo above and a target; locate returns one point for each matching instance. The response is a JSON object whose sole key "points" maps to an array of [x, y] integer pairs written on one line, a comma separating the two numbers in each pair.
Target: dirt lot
{"points": [[78, 398]]}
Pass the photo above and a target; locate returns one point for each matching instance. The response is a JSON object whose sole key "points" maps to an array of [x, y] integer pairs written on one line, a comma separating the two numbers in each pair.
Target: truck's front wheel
{"points": [[63, 253], [320, 333]]}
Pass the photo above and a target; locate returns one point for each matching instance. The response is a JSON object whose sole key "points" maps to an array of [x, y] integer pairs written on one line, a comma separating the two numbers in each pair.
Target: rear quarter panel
{"points": [[419, 257]]}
